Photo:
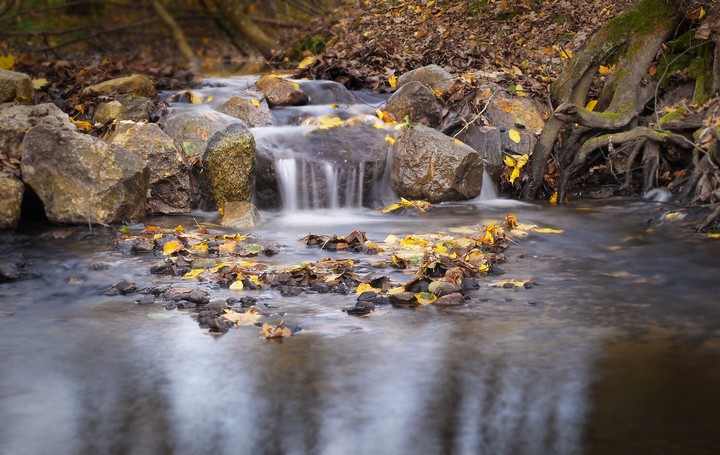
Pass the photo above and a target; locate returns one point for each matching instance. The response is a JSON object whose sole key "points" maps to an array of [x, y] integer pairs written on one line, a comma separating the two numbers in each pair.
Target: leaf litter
{"points": [[438, 269]]}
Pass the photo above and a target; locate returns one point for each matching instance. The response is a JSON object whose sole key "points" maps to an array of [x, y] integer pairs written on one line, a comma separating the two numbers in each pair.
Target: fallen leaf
{"points": [[278, 331], [160, 315], [250, 317], [364, 287], [173, 246], [591, 105], [547, 230], [255, 102], [237, 285], [192, 274], [425, 298], [7, 61], [39, 83]]}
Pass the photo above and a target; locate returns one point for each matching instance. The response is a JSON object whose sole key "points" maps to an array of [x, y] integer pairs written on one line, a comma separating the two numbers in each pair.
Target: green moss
{"points": [[701, 69], [675, 114], [644, 17]]}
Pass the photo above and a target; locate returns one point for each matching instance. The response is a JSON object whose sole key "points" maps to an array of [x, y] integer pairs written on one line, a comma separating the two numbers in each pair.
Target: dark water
{"points": [[616, 351]]}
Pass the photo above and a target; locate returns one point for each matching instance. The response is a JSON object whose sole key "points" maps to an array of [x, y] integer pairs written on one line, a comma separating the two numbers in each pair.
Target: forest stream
{"points": [[614, 349]]}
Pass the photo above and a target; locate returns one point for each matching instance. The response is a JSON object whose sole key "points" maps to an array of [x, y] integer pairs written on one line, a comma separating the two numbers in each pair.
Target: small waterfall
{"points": [[286, 169], [331, 185], [488, 192]]}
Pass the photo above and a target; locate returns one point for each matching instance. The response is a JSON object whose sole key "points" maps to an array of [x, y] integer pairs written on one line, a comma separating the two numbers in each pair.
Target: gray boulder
{"points": [[228, 168], [326, 92], [522, 114], [487, 141], [11, 194], [16, 120], [281, 92], [81, 179], [15, 87], [433, 76], [169, 185], [240, 215], [123, 107], [416, 101], [137, 84], [431, 166], [250, 108], [192, 130]]}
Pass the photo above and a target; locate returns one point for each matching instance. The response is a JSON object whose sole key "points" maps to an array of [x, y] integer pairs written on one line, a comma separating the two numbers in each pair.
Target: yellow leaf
{"points": [[179, 228], [425, 298], [547, 230], [508, 283], [192, 274], [392, 81], [714, 236], [511, 221], [328, 122], [603, 70], [553, 198], [200, 248], [591, 105], [82, 124], [509, 161], [307, 61], [173, 246], [278, 331], [514, 135], [413, 242], [227, 247], [39, 83], [255, 102], [236, 285], [515, 174], [7, 61], [390, 140], [248, 318], [396, 290], [458, 141], [364, 287], [385, 117]]}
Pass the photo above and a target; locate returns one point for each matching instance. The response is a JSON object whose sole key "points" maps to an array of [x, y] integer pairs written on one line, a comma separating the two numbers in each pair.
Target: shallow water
{"points": [[617, 350]]}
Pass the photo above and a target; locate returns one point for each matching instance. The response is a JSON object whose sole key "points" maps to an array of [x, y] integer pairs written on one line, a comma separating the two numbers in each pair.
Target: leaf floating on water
{"points": [[194, 273], [237, 285], [510, 284], [420, 206], [547, 230], [511, 221], [160, 315], [553, 198], [250, 317], [278, 331]]}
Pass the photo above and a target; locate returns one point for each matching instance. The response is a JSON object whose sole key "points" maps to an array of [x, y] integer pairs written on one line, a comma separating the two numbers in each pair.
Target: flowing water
{"points": [[616, 351]]}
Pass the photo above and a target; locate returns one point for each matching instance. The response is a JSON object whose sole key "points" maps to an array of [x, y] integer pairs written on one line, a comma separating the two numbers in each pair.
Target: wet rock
{"points": [[379, 300], [123, 107], [161, 268], [81, 179], [523, 115], [431, 166], [343, 162], [441, 288], [10, 274], [97, 266], [433, 76], [170, 306], [146, 300], [15, 87], [137, 84], [249, 107], [185, 305], [221, 325], [192, 130], [403, 298], [469, 284], [487, 142], [450, 300], [326, 92], [228, 168], [11, 195], [418, 285], [290, 291], [143, 247], [281, 92], [417, 102], [197, 296], [320, 288], [216, 304], [366, 296], [240, 215], [169, 185], [16, 121], [203, 263], [360, 308], [125, 287]]}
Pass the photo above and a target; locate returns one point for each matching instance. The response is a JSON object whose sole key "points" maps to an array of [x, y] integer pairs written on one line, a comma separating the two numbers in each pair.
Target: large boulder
{"points": [[16, 120], [416, 101], [320, 166], [123, 107], [431, 166], [15, 87], [169, 190], [281, 92], [326, 92], [251, 108], [11, 194], [228, 168], [487, 141], [81, 179], [193, 129], [518, 119], [433, 76], [137, 84], [240, 215]]}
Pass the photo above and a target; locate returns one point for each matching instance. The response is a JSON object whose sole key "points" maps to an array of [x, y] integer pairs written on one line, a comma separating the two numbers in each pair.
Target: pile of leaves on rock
{"points": [[441, 268]]}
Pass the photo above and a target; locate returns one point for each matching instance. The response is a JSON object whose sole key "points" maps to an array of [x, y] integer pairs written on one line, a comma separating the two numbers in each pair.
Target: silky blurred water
{"points": [[617, 350]]}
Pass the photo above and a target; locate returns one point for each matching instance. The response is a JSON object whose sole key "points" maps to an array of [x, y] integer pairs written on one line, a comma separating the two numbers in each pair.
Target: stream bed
{"points": [[616, 350]]}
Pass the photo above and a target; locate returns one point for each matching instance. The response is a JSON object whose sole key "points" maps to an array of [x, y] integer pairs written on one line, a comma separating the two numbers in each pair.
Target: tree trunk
{"points": [[253, 34]]}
